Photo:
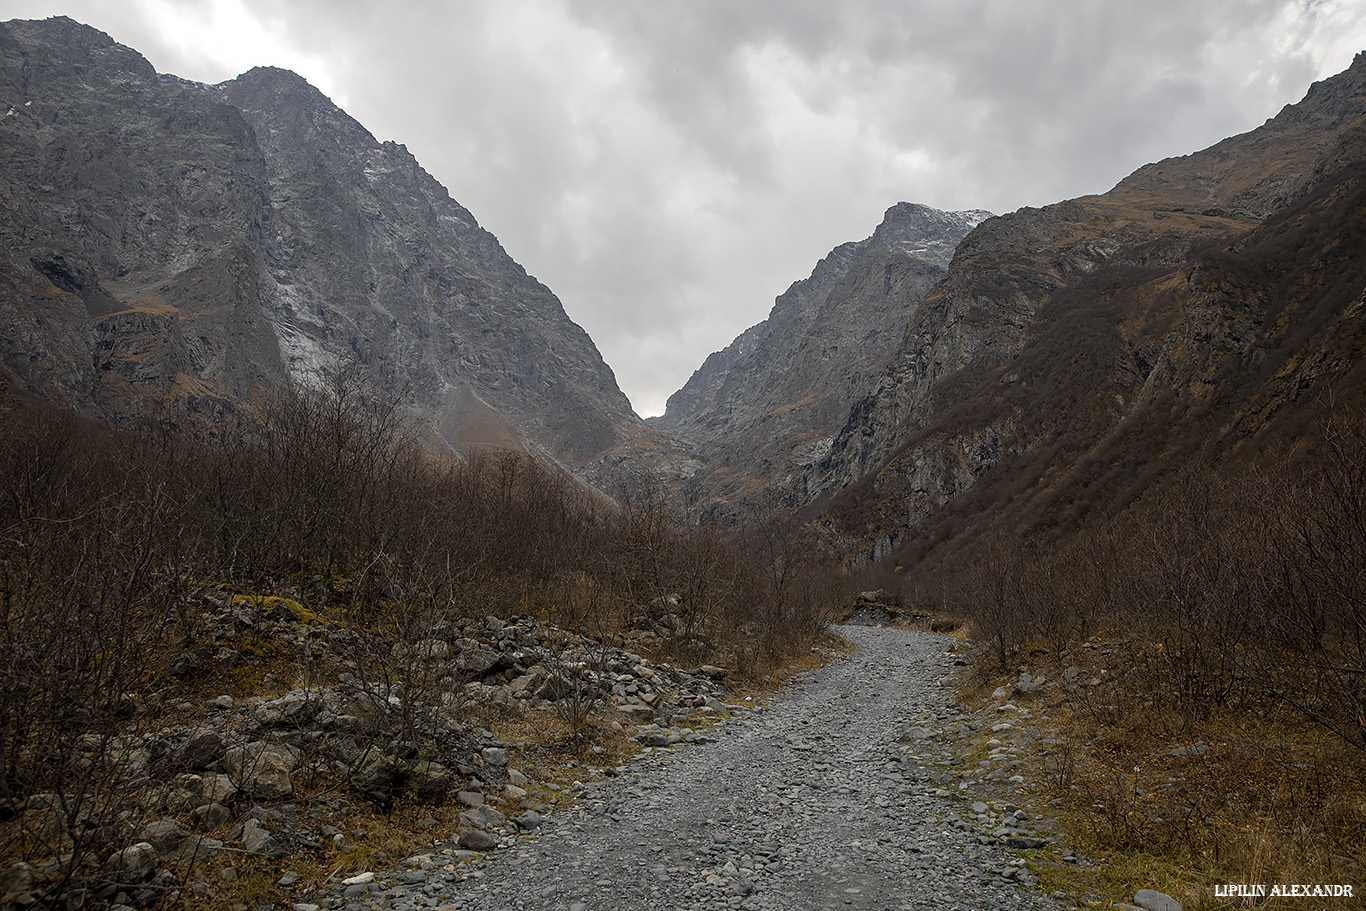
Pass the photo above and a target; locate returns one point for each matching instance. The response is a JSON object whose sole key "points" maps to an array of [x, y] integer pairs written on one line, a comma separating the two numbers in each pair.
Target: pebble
{"points": [[818, 799]]}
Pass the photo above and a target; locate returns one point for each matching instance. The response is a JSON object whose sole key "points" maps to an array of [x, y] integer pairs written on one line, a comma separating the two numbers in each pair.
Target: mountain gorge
{"points": [[1058, 362], [763, 411], [1208, 306], [171, 249], [331, 544]]}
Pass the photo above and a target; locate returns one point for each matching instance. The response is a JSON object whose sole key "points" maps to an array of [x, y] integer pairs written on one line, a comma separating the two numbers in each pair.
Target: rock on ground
{"points": [[807, 803]]}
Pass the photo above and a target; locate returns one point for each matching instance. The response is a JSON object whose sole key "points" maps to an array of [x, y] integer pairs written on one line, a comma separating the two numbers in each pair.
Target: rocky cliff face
{"points": [[169, 247], [763, 411], [1073, 351]]}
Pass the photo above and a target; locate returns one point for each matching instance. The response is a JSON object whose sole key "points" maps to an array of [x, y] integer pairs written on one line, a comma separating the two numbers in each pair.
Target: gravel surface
{"points": [[840, 793]]}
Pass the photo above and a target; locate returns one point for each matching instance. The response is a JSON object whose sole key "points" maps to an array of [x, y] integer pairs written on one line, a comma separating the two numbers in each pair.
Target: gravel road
{"points": [[834, 795]]}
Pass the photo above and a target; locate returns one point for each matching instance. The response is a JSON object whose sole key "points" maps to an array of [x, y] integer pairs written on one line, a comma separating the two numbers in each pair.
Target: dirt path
{"points": [[832, 796]]}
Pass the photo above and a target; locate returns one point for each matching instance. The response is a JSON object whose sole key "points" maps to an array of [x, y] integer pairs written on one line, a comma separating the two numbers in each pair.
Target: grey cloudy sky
{"points": [[668, 168]]}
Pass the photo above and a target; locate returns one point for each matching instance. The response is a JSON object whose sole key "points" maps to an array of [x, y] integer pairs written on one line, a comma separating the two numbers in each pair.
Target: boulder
{"points": [[210, 816], [1027, 685], [165, 835], [190, 663], [262, 769], [134, 864], [1152, 900], [653, 738], [129, 754], [554, 687], [475, 658], [375, 775], [369, 711], [482, 817], [528, 820], [423, 650], [217, 788], [1026, 843], [200, 750], [257, 839], [195, 848], [477, 840], [428, 778], [294, 708]]}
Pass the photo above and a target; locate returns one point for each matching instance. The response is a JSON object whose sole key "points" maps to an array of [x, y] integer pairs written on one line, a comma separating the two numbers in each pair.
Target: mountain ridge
{"points": [[760, 411], [233, 238], [1087, 298]]}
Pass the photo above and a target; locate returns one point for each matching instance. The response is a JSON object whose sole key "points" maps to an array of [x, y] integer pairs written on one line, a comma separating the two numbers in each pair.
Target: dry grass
{"points": [[374, 840], [1247, 794], [767, 679], [952, 626], [556, 755]]}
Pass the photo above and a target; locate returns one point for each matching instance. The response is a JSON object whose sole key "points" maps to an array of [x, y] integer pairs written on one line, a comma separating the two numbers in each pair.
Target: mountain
{"points": [[1208, 307], [171, 248], [763, 411]]}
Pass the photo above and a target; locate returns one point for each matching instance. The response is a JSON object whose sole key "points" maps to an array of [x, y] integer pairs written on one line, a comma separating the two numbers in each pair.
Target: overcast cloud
{"points": [[669, 168]]}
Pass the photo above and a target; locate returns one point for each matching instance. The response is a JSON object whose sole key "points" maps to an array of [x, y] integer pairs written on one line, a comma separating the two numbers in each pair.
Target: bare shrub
{"points": [[320, 500], [789, 591], [89, 587], [1313, 654]]}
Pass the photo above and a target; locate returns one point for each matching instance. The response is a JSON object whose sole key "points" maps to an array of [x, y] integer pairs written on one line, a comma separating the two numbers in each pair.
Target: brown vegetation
{"points": [[1225, 609], [320, 505]]}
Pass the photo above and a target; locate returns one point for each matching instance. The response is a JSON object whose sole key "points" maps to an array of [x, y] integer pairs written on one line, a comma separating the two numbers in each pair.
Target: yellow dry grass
{"points": [[1247, 794]]}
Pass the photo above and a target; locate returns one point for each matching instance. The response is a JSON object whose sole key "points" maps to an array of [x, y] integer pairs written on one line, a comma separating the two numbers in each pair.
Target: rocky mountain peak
{"points": [[763, 410], [62, 41], [1072, 348], [169, 247], [926, 233], [288, 98]]}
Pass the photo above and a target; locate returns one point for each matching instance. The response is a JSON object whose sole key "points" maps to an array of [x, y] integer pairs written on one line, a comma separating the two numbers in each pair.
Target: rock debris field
{"points": [[834, 795]]}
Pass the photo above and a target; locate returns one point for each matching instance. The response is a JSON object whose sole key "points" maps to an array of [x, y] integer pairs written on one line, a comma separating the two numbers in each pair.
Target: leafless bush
{"points": [[790, 590], [324, 497], [1249, 579], [1313, 653], [988, 591], [89, 587]]}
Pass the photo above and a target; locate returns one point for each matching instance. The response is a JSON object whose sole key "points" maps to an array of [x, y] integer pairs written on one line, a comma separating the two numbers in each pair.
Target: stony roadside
{"points": [[848, 789]]}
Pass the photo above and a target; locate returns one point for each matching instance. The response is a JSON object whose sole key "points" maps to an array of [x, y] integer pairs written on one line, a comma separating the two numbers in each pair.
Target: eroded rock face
{"points": [[1089, 331], [766, 408], [167, 247]]}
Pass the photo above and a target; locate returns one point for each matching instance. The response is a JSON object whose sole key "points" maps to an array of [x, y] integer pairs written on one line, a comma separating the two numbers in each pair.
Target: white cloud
{"points": [[668, 169]]}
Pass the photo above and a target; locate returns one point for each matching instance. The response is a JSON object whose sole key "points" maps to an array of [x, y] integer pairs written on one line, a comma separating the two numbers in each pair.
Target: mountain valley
{"points": [[178, 248], [328, 540]]}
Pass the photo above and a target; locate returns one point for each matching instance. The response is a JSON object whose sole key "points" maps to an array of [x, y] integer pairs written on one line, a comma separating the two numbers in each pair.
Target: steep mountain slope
{"points": [[170, 247], [1074, 353], [763, 411]]}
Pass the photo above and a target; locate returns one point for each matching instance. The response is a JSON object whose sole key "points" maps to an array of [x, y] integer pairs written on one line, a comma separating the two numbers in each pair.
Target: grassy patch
{"points": [[1247, 793]]}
